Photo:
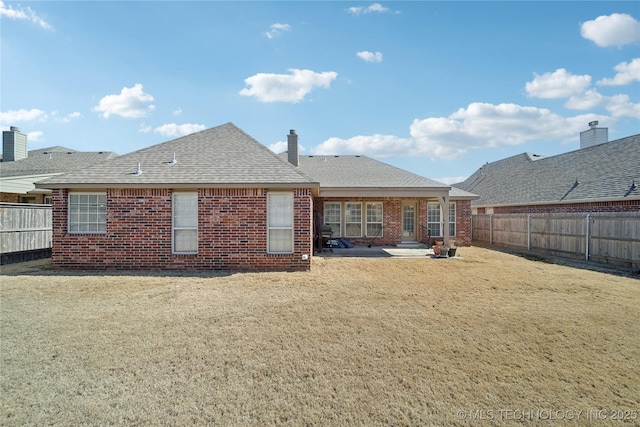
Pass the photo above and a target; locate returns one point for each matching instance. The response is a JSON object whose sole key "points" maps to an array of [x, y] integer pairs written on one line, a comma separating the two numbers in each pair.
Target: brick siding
{"points": [[392, 219], [232, 233], [590, 207]]}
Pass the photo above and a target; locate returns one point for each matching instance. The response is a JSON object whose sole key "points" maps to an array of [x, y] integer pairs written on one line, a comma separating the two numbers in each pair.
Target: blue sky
{"points": [[436, 88]]}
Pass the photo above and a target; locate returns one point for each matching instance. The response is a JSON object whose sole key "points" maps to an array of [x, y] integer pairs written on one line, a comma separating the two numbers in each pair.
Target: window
{"points": [[353, 219], [434, 221], [452, 219], [332, 217], [185, 223], [374, 219], [280, 222], [87, 213]]}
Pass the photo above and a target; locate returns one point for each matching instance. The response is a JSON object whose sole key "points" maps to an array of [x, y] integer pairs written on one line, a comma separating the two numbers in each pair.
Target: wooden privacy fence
{"points": [[604, 238], [25, 232]]}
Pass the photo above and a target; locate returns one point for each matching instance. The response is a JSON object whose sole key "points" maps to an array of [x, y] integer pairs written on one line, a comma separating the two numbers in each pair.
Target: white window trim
{"points": [[290, 227], [85, 193], [366, 220], [341, 207], [174, 228], [452, 221], [346, 223]]}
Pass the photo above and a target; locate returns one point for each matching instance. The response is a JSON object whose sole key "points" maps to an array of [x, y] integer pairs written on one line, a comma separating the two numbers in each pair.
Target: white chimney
{"points": [[14, 145], [594, 136], [292, 148]]}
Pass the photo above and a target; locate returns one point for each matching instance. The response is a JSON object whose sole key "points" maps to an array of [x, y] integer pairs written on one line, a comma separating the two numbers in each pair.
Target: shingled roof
{"points": [[605, 172], [53, 160], [221, 156], [354, 173]]}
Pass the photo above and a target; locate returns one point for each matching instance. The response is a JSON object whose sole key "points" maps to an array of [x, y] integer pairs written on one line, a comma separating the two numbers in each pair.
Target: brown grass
{"points": [[356, 341]]}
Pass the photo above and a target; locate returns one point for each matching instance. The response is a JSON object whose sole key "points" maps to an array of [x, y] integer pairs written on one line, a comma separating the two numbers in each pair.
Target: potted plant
{"points": [[452, 249]]}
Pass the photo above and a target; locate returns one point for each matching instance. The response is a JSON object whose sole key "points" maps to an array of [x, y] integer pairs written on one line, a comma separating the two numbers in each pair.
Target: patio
{"points": [[377, 252]]}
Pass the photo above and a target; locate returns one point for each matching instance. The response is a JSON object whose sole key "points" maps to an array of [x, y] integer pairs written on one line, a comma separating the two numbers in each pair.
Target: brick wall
{"points": [[232, 233], [18, 198], [591, 207], [392, 219]]}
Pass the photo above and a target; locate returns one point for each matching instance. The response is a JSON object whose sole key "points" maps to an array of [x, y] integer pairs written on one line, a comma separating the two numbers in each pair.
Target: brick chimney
{"points": [[594, 136], [14, 145], [292, 148]]}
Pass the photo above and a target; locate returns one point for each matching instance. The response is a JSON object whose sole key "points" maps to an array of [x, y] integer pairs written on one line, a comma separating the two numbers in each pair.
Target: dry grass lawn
{"points": [[356, 341]]}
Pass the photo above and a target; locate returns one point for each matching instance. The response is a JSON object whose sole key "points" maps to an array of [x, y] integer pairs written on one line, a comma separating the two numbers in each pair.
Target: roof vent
{"points": [[138, 172], [173, 161]]}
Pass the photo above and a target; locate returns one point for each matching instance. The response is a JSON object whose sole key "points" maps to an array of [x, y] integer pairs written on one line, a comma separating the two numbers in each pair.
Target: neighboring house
{"points": [[602, 176], [21, 169], [218, 199]]}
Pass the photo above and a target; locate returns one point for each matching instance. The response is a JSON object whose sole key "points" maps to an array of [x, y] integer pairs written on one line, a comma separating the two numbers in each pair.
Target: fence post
{"points": [[491, 229], [529, 232], [586, 249]]}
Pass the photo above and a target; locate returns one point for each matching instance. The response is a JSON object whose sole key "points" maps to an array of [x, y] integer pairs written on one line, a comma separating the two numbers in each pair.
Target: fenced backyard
{"points": [[25, 232], [612, 239]]}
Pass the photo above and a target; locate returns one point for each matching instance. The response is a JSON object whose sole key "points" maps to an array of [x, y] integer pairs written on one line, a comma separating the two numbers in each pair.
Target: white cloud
{"points": [[374, 8], [282, 146], [375, 145], [276, 29], [586, 100], [144, 128], [132, 102], [478, 126], [286, 87], [69, 117], [626, 74], [11, 117], [559, 84], [621, 106], [177, 112], [172, 129], [370, 56], [24, 13], [617, 29], [34, 136]]}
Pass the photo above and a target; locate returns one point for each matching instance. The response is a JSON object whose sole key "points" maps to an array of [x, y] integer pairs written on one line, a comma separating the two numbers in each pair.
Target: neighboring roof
{"points": [[221, 156], [602, 172], [53, 160]]}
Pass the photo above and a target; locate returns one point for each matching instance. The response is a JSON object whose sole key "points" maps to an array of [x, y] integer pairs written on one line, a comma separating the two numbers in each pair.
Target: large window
{"points": [[435, 220], [374, 219], [280, 222], [87, 213], [185, 223], [332, 217], [353, 219], [348, 219]]}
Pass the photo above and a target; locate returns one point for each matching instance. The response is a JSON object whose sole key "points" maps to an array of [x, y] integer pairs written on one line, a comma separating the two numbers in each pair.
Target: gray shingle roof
{"points": [[361, 172], [53, 160], [600, 172], [223, 155]]}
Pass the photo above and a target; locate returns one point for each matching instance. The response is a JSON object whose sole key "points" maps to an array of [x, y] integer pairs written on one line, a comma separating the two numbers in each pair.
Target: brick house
{"points": [[218, 199], [20, 169], [364, 200], [602, 176]]}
